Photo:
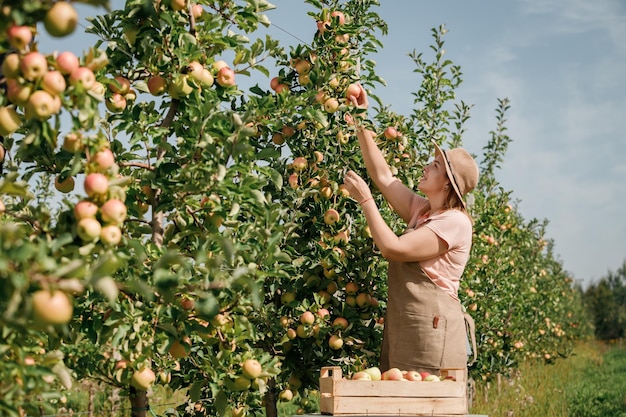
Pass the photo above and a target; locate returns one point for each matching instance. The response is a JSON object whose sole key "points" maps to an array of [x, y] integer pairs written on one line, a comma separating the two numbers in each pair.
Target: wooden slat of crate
{"points": [[341, 396]]}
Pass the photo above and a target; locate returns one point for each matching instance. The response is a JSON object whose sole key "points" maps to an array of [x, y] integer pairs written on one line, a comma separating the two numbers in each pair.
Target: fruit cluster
{"points": [[396, 374]]}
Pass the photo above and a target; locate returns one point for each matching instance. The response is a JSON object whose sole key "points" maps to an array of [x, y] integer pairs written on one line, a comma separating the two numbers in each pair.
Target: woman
{"points": [[425, 327]]}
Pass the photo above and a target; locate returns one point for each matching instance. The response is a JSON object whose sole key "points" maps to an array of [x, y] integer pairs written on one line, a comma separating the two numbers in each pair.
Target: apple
{"points": [[302, 66], [374, 373], [293, 180], [275, 82], [285, 395], [178, 5], [120, 85], [341, 18], [11, 65], [113, 211], [197, 11], [307, 318], [104, 159], [304, 79], [241, 383], [291, 334], [393, 374], [432, 378], [17, 92], [157, 85], [287, 131], [64, 186], [40, 105], [282, 88], [340, 322], [96, 184], [424, 375], [218, 65], [98, 90], [61, 19], [9, 121], [331, 216], [83, 76], [287, 297], [331, 105], [143, 379], [363, 300], [299, 163], [53, 82], [73, 143], [67, 62], [88, 229], [180, 87], [343, 38], [361, 376], [2, 207], [111, 234], [33, 65], [323, 313], [302, 331], [412, 376], [390, 132], [226, 77], [251, 368], [85, 209], [335, 342], [351, 288], [323, 26], [354, 90], [116, 103], [334, 83], [20, 36], [52, 307]]}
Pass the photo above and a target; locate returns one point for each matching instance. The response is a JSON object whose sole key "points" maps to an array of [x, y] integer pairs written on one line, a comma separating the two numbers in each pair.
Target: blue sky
{"points": [[562, 65]]}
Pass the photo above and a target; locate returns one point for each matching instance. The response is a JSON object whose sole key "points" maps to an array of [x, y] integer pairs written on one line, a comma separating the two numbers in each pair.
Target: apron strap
{"points": [[471, 329]]}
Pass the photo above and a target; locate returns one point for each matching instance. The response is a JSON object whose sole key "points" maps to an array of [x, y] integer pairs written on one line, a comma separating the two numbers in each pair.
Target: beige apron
{"points": [[425, 329]]}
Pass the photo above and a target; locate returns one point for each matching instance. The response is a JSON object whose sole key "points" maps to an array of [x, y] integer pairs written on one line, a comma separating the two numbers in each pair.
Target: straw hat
{"points": [[461, 168]]}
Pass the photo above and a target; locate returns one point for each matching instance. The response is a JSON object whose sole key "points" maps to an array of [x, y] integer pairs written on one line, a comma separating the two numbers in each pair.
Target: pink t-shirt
{"points": [[455, 228]]}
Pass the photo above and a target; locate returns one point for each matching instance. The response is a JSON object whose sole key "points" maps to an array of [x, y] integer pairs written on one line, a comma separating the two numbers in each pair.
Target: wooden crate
{"points": [[345, 397]]}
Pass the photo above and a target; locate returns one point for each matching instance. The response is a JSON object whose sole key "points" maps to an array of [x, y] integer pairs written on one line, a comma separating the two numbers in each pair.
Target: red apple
{"points": [[143, 379], [104, 159], [20, 37], [341, 18], [67, 62], [361, 376], [390, 132], [41, 105], [424, 375], [323, 26], [226, 77], [52, 307], [393, 374], [197, 11], [157, 85], [282, 88], [111, 234], [88, 229], [73, 143], [307, 318], [120, 85], [84, 77], [113, 211], [61, 19], [299, 163], [53, 82], [331, 216], [11, 65], [363, 300], [116, 103], [64, 186], [340, 322], [96, 184], [293, 180], [302, 66], [251, 369], [412, 376], [84, 209], [33, 65], [10, 121], [274, 82], [354, 90]]}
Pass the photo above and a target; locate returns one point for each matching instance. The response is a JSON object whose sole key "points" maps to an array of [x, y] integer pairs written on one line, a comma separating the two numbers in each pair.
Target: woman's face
{"points": [[434, 177]]}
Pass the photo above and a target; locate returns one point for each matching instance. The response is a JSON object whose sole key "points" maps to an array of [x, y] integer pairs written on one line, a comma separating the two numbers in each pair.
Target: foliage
{"points": [[606, 302]]}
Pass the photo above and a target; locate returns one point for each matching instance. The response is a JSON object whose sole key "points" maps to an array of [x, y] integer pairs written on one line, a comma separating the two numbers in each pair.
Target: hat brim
{"points": [[448, 167]]}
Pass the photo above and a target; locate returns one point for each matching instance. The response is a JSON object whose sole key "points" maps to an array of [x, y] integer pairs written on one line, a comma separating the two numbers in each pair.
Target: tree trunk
{"points": [[138, 402], [270, 399]]}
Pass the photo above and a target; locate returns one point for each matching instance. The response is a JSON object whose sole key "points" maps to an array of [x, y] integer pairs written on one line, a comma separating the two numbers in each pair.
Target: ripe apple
{"points": [[96, 184], [274, 82], [180, 87], [178, 5], [88, 229], [20, 36], [331, 216], [393, 374], [9, 121], [302, 66], [424, 375], [73, 143], [304, 79], [85, 209], [116, 103], [390, 132], [293, 180], [61, 19], [11, 65], [33, 65], [64, 186], [84, 77], [17, 92], [331, 105], [197, 11], [120, 85], [111, 234], [354, 90], [104, 159], [307, 318], [287, 131], [361, 376], [363, 300], [53, 82], [251, 368], [143, 379], [432, 378], [157, 85], [351, 288], [340, 322], [341, 18], [41, 105], [299, 163], [323, 26], [335, 342], [285, 395], [412, 376], [320, 97], [218, 65], [113, 211], [287, 297], [67, 62], [282, 88], [226, 77], [374, 373], [52, 307]]}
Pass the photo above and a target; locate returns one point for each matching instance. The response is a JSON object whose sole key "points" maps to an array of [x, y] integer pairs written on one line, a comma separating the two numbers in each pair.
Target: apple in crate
{"points": [[412, 376], [393, 374], [361, 376], [374, 373]]}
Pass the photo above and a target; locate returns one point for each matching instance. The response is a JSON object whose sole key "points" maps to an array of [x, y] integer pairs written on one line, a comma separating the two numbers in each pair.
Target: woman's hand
{"points": [[358, 97], [357, 187]]}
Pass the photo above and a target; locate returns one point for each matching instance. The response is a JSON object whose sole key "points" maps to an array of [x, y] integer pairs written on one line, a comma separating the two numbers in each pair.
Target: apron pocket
{"points": [[420, 342]]}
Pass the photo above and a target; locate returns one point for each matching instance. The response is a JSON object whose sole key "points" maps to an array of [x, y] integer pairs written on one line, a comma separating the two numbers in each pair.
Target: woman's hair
{"points": [[452, 202]]}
